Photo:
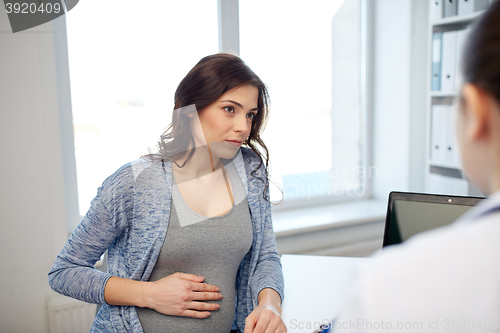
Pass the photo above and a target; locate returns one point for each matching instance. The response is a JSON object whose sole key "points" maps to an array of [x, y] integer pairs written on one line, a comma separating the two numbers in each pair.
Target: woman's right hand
{"points": [[182, 294]]}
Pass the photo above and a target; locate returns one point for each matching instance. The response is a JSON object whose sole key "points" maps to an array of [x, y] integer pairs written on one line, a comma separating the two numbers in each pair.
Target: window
{"points": [[310, 56], [126, 59]]}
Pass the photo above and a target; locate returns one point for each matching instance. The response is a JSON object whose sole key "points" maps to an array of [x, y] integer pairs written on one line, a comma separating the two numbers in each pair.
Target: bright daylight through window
{"points": [[124, 69], [310, 55]]}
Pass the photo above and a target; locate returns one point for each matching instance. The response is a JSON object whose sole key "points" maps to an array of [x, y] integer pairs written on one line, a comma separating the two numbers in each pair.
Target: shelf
{"points": [[445, 165], [446, 170], [457, 19], [443, 94]]}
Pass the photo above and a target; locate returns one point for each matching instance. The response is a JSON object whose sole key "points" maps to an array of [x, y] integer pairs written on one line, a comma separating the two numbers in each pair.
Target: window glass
{"points": [[309, 55], [126, 59]]}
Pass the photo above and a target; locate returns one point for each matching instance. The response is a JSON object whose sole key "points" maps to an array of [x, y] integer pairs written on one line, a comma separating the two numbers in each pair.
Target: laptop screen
{"points": [[411, 213]]}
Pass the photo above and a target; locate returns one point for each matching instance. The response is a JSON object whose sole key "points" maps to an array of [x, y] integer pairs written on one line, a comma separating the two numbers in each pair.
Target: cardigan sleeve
{"points": [[73, 273], [268, 272]]}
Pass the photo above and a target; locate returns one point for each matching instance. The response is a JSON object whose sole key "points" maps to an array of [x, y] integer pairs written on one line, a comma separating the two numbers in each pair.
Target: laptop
{"points": [[411, 213]]}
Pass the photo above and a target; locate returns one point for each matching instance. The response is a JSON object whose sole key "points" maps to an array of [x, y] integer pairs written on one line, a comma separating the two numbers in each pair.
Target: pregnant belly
{"points": [[220, 321]]}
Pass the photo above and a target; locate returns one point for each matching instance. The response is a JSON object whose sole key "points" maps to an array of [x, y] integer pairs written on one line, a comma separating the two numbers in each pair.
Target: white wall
{"points": [[32, 209], [400, 50]]}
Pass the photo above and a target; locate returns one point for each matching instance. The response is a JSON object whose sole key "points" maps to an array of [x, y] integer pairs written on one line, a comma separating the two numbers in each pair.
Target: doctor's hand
{"points": [[182, 294], [266, 318]]}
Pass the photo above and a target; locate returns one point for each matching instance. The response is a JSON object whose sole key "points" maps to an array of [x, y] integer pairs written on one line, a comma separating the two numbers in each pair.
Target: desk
{"points": [[315, 288]]}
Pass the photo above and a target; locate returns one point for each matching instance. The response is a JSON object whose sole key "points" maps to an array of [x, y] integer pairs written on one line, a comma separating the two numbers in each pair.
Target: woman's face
{"points": [[226, 123]]}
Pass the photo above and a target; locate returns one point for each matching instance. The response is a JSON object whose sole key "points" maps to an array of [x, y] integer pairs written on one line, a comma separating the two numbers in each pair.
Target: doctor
{"points": [[448, 279]]}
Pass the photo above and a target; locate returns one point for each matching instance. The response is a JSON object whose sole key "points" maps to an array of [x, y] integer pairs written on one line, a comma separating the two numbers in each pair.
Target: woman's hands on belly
{"points": [[178, 294], [182, 294]]}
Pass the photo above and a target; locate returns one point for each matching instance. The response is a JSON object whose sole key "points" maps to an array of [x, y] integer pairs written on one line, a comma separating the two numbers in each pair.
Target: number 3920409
{"points": [[32, 8]]}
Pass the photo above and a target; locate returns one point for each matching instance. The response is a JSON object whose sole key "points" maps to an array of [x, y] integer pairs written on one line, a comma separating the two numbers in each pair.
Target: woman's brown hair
{"points": [[211, 77]]}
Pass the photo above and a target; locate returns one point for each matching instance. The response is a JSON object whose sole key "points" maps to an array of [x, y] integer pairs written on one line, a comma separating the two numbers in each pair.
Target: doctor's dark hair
{"points": [[481, 61], [211, 77]]}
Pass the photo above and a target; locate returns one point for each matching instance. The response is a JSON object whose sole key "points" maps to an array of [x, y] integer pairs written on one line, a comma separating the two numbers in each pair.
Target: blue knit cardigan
{"points": [[129, 217]]}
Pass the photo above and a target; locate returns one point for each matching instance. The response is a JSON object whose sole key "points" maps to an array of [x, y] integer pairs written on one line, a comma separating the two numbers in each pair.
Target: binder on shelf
{"points": [[451, 154], [436, 7], [436, 61], [450, 8], [461, 38], [448, 61], [438, 184], [455, 186], [435, 184], [439, 138], [480, 5], [469, 6], [465, 7]]}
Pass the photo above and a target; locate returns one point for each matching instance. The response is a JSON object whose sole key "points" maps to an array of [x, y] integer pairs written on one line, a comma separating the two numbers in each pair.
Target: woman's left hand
{"points": [[266, 318]]}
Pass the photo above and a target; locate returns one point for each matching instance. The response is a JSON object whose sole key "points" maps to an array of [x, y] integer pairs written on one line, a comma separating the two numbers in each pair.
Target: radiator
{"points": [[67, 315]]}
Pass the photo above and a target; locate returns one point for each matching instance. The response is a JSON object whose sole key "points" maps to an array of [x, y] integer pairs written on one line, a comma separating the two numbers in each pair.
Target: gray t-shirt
{"points": [[209, 246]]}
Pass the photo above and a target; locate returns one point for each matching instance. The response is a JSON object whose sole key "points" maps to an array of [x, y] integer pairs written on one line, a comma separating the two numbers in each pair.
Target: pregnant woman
{"points": [[188, 229]]}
